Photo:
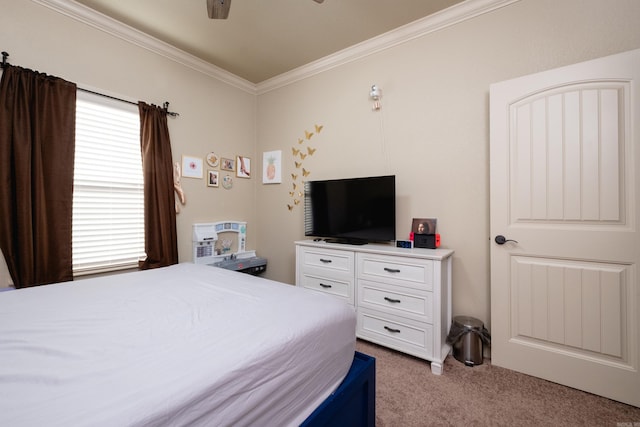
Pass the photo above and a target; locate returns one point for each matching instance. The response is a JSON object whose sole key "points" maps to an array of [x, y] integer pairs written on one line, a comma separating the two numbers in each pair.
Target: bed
{"points": [[182, 345]]}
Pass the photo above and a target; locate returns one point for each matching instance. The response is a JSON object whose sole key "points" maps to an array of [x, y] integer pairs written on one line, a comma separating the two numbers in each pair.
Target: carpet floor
{"points": [[409, 395]]}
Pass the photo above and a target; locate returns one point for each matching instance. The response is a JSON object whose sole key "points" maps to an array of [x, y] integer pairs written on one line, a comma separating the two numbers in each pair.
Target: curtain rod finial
{"points": [[165, 106]]}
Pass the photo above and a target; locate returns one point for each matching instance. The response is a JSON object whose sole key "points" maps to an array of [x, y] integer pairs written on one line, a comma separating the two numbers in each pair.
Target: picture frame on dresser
{"points": [[424, 225]]}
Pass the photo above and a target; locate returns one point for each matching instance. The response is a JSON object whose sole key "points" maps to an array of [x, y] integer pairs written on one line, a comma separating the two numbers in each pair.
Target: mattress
{"points": [[182, 345]]}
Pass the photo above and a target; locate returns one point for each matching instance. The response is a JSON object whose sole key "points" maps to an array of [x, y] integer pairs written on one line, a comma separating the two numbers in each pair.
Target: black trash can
{"points": [[467, 336]]}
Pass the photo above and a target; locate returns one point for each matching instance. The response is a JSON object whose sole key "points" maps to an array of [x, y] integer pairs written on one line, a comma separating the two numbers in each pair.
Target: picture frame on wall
{"points": [[227, 164], [191, 167], [213, 160], [243, 167], [272, 167], [213, 178]]}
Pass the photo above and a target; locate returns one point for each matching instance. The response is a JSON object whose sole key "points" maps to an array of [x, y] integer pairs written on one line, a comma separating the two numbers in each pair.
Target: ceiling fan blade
{"points": [[218, 9]]}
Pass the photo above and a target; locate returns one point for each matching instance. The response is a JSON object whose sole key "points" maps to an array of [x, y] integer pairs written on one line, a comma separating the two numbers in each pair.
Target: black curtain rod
{"points": [[165, 106]]}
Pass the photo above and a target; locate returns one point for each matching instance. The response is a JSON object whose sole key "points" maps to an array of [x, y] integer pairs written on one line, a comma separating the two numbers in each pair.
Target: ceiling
{"points": [[265, 38]]}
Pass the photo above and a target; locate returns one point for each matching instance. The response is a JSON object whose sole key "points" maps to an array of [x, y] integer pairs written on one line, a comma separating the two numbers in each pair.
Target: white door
{"points": [[565, 166]]}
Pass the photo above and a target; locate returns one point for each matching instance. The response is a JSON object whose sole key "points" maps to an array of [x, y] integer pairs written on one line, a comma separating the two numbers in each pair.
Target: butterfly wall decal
{"points": [[299, 154]]}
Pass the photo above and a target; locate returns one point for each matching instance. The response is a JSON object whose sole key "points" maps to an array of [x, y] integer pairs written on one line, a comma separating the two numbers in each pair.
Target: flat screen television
{"points": [[352, 210]]}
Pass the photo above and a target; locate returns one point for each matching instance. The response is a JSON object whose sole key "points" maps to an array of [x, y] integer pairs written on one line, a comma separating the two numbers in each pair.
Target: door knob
{"points": [[501, 240]]}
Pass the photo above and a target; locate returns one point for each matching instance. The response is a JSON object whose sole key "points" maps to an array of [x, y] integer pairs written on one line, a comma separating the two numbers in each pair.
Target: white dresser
{"points": [[402, 296]]}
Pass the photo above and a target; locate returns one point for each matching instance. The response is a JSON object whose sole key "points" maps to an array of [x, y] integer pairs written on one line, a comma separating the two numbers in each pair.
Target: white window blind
{"points": [[108, 199]]}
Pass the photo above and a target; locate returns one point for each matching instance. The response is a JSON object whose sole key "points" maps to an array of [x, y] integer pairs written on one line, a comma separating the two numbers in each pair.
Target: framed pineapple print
{"points": [[272, 167]]}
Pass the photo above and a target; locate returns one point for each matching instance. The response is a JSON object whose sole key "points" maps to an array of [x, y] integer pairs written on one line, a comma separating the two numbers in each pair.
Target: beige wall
{"points": [[433, 129], [214, 116]]}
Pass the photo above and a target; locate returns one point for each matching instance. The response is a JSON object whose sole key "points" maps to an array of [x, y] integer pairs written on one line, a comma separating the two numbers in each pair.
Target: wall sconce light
{"points": [[375, 95]]}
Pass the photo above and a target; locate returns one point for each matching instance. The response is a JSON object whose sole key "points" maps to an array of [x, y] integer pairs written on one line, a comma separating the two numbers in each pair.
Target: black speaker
{"points": [[427, 241]]}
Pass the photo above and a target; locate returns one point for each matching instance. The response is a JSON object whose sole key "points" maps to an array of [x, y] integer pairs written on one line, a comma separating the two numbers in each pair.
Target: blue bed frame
{"points": [[353, 403]]}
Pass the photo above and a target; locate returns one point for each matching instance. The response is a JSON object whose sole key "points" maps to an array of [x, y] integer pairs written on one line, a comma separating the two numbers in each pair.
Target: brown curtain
{"points": [[161, 242], [37, 145]]}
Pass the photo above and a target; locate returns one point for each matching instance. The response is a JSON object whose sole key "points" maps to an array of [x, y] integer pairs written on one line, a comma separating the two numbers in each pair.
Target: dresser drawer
{"points": [[396, 300], [340, 288], [402, 334], [326, 259], [417, 273]]}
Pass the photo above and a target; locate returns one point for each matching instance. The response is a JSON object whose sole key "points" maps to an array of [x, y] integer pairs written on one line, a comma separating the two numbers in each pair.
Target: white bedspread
{"points": [[182, 345]]}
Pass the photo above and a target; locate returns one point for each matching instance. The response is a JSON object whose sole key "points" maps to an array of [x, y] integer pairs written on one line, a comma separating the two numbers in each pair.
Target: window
{"points": [[108, 199]]}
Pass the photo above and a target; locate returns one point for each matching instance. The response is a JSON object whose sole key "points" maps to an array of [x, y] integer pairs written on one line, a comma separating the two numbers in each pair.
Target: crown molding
{"points": [[453, 15], [88, 16]]}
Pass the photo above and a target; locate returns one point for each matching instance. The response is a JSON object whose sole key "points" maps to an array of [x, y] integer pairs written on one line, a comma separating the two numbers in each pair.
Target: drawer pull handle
{"points": [[326, 261], [391, 300], [391, 270], [325, 286], [395, 331]]}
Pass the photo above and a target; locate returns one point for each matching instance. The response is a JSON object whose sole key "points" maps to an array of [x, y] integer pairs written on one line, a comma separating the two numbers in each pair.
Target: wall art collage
{"points": [[217, 171]]}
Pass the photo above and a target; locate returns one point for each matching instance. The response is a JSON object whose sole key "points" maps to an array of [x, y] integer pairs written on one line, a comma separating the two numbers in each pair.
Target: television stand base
{"points": [[347, 241]]}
